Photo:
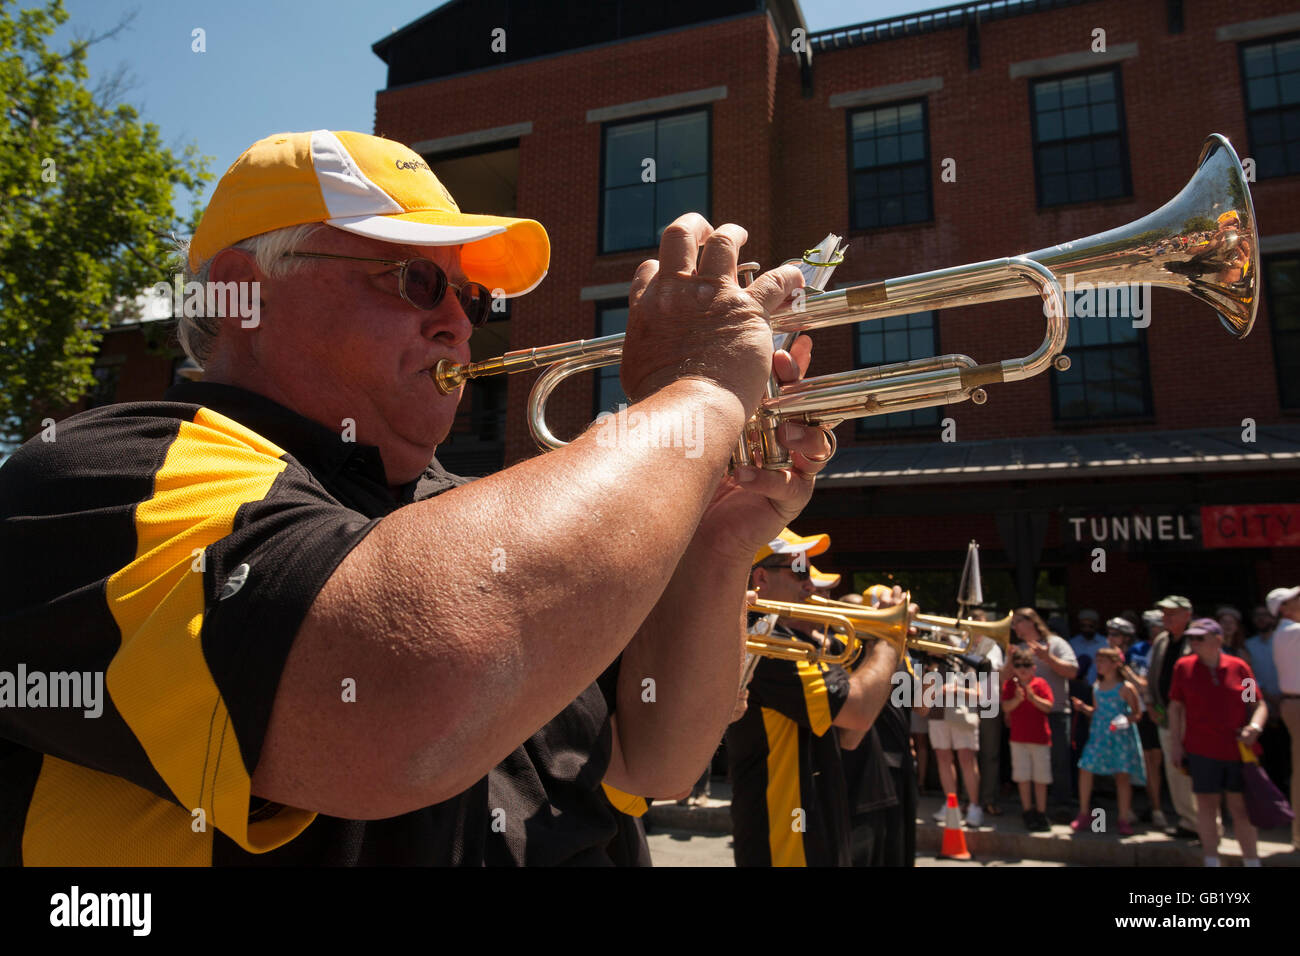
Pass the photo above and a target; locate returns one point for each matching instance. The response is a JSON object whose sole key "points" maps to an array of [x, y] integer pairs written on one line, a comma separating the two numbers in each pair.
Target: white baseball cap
{"points": [[1279, 596]]}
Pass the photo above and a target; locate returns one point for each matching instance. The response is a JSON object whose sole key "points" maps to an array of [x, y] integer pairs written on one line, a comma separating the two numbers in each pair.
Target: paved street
{"points": [[681, 848]]}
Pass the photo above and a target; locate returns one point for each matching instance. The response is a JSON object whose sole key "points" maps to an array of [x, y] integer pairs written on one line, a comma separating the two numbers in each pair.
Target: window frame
{"points": [[1277, 352], [707, 212], [1245, 92], [1126, 163], [1148, 397], [924, 103], [861, 431], [601, 306]]}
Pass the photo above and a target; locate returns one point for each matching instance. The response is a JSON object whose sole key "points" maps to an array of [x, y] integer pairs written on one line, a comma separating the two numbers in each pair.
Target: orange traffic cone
{"points": [[954, 838]]}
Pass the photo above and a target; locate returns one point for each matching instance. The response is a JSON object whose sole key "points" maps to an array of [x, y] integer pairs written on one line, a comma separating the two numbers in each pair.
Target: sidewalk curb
{"points": [[1089, 849], [1060, 846]]}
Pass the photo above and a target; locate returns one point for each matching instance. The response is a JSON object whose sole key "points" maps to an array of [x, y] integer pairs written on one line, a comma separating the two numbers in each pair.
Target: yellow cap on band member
{"points": [[821, 579], [787, 542], [372, 187]]}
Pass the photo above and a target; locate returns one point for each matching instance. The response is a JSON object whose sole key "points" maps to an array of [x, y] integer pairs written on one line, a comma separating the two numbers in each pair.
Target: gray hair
{"points": [[198, 333]]}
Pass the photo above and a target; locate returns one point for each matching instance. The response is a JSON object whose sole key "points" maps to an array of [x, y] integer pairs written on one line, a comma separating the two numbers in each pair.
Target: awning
{"points": [[1067, 457]]}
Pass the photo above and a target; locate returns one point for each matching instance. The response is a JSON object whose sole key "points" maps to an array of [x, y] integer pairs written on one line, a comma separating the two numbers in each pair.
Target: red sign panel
{"points": [[1251, 526]]}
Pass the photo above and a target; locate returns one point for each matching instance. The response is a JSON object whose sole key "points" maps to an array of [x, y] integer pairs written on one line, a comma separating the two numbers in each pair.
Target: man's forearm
{"points": [[477, 616], [1062, 668], [869, 687], [691, 647], [1260, 715], [1176, 724]]}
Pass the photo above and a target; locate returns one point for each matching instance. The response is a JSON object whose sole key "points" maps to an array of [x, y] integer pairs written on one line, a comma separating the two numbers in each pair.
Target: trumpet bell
{"points": [[999, 632], [1203, 242]]}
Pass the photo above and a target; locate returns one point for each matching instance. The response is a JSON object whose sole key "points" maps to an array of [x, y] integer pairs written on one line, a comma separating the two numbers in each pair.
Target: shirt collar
{"points": [[319, 449]]}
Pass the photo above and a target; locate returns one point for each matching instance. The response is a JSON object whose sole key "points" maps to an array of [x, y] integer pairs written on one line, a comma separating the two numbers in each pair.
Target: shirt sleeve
{"points": [[203, 545], [809, 694], [1064, 651]]}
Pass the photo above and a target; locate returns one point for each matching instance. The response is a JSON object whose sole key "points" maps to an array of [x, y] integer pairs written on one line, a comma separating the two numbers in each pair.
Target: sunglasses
{"points": [[422, 283], [803, 575]]}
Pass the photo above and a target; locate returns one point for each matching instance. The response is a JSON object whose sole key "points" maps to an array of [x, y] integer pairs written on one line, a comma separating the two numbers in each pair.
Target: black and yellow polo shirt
{"points": [[788, 803], [549, 791], [175, 548]]}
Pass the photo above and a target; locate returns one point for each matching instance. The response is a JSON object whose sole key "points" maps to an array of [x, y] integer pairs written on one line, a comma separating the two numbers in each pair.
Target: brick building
{"points": [[1175, 448]]}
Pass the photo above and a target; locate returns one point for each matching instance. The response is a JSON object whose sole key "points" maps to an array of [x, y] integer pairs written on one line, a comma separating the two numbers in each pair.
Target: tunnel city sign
{"points": [[1182, 529]]}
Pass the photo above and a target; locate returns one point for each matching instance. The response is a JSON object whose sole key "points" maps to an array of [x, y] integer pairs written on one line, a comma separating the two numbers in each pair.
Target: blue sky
{"points": [[273, 65]]}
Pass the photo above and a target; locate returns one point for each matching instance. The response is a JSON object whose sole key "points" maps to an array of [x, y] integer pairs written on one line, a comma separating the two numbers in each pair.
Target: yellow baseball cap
{"points": [[790, 543], [372, 187], [821, 579], [876, 593]]}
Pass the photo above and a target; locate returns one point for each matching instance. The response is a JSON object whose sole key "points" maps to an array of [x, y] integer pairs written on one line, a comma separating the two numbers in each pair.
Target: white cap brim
{"points": [[403, 231]]}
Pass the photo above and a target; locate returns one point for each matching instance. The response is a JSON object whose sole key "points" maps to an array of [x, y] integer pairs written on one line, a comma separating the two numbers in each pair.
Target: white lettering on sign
{"points": [[1131, 528]]}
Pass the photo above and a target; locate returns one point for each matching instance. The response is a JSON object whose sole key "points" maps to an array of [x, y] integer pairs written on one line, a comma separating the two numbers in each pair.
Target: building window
{"points": [[1271, 76], [640, 198], [1282, 281], [611, 318], [1080, 153], [898, 338], [1108, 376], [889, 166]]}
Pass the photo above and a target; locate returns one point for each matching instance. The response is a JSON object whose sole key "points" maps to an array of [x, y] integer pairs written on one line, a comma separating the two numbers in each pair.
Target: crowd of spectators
{"points": [[1166, 702]]}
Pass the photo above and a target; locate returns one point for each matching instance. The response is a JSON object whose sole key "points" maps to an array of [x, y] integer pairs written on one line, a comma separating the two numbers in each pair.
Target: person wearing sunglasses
{"points": [[317, 640], [1054, 662], [1026, 701], [790, 802]]}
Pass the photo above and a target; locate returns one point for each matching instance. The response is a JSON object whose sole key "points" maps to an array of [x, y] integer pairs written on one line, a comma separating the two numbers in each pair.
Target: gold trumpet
{"points": [[999, 632], [889, 624], [1203, 242], [934, 635]]}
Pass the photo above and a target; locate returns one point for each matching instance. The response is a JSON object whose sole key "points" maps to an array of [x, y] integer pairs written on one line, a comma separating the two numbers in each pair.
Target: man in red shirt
{"points": [[1211, 709]]}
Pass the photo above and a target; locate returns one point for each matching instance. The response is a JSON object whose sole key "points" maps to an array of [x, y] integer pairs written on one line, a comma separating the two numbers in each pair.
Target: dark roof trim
{"points": [[380, 46], [576, 50], [929, 21]]}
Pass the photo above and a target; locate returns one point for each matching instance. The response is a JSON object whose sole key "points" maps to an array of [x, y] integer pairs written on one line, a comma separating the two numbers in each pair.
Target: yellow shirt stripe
{"points": [[214, 466], [815, 697], [785, 833]]}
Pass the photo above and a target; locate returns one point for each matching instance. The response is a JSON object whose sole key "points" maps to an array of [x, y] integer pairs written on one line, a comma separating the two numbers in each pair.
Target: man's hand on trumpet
{"points": [[688, 317], [690, 321]]}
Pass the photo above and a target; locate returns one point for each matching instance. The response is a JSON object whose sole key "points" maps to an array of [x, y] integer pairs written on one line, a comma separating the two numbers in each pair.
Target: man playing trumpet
{"points": [[789, 804], [316, 643]]}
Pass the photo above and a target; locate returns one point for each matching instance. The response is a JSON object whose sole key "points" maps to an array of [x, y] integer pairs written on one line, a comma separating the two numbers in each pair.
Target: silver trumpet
{"points": [[1203, 241]]}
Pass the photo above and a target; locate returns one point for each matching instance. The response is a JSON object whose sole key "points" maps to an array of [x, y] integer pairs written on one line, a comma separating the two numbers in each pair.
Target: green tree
{"points": [[86, 214]]}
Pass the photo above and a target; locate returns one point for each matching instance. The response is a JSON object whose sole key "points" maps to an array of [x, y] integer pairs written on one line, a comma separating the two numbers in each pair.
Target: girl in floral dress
{"points": [[1114, 747]]}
